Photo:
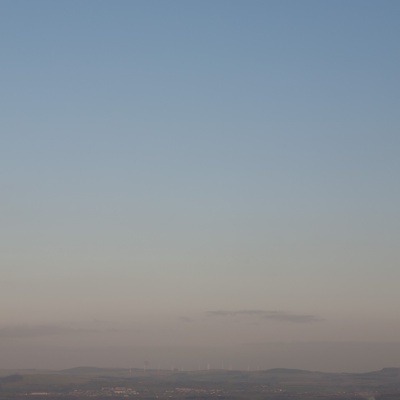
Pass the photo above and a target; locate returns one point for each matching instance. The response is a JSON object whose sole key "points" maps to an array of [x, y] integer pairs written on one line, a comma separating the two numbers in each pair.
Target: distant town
{"points": [[274, 384]]}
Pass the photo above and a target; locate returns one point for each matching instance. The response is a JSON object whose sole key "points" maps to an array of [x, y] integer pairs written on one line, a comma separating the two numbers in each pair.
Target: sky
{"points": [[179, 176]]}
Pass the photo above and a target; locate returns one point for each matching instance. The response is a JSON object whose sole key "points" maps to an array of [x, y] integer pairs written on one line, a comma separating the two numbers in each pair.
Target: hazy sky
{"points": [[197, 173]]}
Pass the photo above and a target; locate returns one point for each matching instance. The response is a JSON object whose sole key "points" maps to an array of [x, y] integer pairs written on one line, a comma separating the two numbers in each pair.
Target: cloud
{"points": [[185, 319], [288, 317], [28, 331], [224, 313], [270, 315]]}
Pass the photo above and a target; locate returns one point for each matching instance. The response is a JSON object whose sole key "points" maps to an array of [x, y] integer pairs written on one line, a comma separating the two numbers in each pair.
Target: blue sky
{"points": [[160, 160]]}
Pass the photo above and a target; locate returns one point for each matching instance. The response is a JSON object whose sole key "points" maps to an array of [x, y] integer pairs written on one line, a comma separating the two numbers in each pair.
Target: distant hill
{"points": [[93, 371], [6, 372], [288, 379]]}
